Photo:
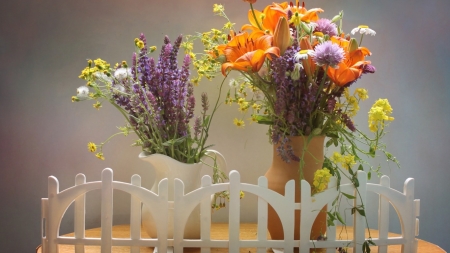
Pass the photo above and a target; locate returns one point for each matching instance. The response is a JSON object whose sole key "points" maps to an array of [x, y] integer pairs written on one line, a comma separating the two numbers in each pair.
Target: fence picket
{"points": [[106, 210], [383, 215], [79, 214], [262, 215], [205, 215], [135, 215], [234, 212]]}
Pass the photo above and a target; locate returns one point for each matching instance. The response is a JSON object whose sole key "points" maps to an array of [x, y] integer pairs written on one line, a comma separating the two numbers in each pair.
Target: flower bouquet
{"points": [[157, 100], [297, 74]]}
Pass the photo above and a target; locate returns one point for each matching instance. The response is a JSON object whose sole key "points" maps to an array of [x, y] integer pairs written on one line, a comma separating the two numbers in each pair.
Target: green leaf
{"points": [[361, 211], [369, 175], [338, 215], [316, 131], [336, 143], [360, 167], [348, 195], [329, 142], [365, 247], [263, 119], [372, 151], [330, 214], [355, 182], [332, 135]]}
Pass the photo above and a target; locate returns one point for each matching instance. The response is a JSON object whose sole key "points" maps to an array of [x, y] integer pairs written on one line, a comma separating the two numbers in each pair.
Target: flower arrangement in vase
{"points": [[157, 100], [297, 74]]}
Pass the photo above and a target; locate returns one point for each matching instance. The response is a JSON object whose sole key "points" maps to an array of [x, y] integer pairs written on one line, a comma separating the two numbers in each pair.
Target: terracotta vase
{"points": [[281, 172], [190, 174]]}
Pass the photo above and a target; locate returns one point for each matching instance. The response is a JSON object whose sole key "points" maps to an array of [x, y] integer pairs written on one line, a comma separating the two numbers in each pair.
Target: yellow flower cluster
{"points": [[139, 43], [321, 179], [378, 114], [218, 9], [99, 66], [346, 161]]}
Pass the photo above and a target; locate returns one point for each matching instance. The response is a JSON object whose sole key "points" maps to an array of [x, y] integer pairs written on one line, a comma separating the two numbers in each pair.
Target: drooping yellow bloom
{"points": [[321, 179], [239, 123], [92, 147], [97, 105], [379, 113], [100, 156]]}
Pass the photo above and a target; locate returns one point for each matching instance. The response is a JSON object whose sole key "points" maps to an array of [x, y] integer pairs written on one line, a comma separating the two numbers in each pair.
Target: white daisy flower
{"points": [[363, 29], [302, 55]]}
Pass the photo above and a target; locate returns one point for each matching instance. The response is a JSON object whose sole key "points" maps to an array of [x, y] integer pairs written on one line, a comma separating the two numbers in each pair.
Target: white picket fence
{"points": [[54, 207]]}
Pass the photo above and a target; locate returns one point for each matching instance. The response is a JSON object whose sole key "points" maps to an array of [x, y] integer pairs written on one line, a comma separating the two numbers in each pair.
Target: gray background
{"points": [[44, 45]]}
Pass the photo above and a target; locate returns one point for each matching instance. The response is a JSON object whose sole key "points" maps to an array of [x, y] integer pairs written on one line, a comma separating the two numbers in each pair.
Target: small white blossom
{"points": [[82, 92], [363, 29], [102, 77], [302, 55], [233, 83], [122, 73], [118, 89]]}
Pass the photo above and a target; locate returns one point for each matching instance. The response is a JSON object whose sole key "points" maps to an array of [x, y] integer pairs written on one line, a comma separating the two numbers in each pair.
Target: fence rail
{"points": [[54, 207]]}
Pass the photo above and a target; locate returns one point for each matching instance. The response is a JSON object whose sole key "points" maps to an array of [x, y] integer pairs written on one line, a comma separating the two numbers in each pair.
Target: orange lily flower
{"points": [[300, 13], [248, 51], [351, 68], [272, 13]]}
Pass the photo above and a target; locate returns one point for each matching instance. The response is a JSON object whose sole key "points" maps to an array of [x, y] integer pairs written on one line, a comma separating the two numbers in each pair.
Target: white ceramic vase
{"points": [[190, 174]]}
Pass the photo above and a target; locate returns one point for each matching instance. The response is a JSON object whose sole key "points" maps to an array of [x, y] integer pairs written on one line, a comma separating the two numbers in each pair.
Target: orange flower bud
{"points": [[250, 1], [282, 35]]}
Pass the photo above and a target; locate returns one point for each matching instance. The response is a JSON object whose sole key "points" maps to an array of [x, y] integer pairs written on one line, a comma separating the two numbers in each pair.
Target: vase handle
{"points": [[220, 159]]}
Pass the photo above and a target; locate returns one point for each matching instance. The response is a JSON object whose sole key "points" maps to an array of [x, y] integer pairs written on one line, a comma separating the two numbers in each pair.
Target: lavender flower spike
{"points": [[328, 54]]}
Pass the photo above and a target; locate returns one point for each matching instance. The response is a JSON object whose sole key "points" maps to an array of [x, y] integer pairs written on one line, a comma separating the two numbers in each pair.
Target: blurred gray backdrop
{"points": [[44, 45]]}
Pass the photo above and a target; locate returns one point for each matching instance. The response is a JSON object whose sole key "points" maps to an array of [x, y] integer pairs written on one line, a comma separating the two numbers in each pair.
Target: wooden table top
{"points": [[219, 231]]}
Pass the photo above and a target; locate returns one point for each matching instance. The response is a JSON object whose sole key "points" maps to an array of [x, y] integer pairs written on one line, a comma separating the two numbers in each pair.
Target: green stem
{"points": [[254, 17]]}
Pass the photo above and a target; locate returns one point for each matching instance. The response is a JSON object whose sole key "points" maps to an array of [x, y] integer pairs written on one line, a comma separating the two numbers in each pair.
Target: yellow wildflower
{"points": [[348, 161], [218, 8], [361, 93], [241, 101], [379, 113], [336, 157], [152, 49], [97, 105], [228, 26], [100, 156], [321, 179], [243, 107], [256, 107], [239, 123], [92, 147]]}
